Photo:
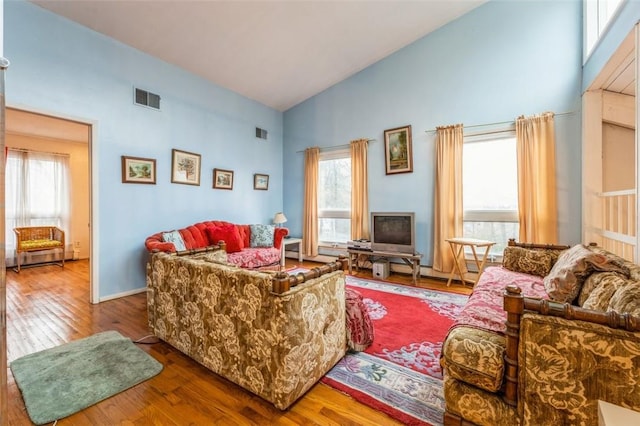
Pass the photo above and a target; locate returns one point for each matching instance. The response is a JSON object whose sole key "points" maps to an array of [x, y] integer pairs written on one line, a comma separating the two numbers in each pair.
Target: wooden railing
{"points": [[618, 228], [283, 282]]}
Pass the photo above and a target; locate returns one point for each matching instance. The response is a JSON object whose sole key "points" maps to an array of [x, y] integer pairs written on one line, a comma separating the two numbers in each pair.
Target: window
{"points": [[334, 197], [597, 14], [37, 192], [490, 189]]}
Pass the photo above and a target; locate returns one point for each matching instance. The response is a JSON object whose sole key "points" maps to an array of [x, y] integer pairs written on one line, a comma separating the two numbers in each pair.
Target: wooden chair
{"points": [[39, 238]]}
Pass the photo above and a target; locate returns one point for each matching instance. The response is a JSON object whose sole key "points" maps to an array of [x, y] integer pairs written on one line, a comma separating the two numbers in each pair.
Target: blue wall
{"points": [[501, 60], [63, 68]]}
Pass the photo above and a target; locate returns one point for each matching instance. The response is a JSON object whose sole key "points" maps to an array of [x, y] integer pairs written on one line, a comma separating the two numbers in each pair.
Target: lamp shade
{"points": [[279, 218]]}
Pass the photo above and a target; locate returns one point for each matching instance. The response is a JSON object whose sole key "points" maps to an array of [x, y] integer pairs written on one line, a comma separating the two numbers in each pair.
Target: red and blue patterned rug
{"points": [[399, 374]]}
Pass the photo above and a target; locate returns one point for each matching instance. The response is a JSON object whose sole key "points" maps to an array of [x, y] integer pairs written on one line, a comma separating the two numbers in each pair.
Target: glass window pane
{"points": [[334, 184], [490, 195], [490, 175], [499, 232], [334, 230]]}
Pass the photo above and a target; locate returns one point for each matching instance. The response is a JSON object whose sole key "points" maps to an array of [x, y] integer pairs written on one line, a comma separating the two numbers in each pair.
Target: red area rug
{"points": [[399, 374]]}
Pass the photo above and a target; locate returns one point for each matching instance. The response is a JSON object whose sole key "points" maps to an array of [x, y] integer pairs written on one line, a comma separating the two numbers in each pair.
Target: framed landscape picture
{"points": [[222, 179], [260, 181], [138, 170], [185, 167], [398, 152]]}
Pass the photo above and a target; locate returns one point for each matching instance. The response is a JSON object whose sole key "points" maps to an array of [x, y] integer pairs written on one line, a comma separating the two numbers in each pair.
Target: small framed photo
{"points": [[398, 152], [185, 167], [222, 179], [138, 170], [260, 181]]}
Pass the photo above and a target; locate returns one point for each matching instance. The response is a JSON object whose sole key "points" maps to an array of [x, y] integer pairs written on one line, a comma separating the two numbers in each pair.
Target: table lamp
{"points": [[279, 219]]}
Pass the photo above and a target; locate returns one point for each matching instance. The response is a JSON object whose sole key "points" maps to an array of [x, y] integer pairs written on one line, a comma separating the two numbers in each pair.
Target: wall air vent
{"points": [[261, 133], [148, 99]]}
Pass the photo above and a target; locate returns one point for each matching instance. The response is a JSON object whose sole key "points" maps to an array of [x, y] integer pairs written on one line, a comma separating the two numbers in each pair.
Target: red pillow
{"points": [[227, 233]]}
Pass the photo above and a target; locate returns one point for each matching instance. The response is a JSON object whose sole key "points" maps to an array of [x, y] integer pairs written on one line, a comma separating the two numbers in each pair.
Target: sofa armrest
{"points": [[278, 235], [566, 366], [156, 243]]}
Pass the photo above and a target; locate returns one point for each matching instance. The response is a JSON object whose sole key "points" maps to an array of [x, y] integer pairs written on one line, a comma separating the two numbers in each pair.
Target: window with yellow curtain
{"points": [[334, 197], [490, 188]]}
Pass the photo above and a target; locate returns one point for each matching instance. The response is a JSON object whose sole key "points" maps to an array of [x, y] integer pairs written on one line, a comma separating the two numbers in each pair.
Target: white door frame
{"points": [[92, 146]]}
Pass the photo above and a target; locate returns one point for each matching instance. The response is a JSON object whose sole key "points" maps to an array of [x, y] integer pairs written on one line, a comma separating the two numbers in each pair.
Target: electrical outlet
{"points": [[77, 244]]}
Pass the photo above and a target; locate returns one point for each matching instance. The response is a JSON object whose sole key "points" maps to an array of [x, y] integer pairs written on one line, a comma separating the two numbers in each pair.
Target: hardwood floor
{"points": [[48, 306]]}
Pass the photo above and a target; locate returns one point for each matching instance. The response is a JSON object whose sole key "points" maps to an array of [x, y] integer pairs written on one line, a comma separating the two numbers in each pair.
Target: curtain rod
{"points": [[498, 123], [66, 154], [331, 148]]}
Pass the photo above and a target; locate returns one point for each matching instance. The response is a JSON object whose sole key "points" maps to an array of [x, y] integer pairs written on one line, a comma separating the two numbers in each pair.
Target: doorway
{"points": [[41, 132]]}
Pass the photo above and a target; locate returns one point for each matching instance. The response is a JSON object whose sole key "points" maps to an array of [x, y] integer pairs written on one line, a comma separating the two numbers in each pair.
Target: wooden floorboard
{"points": [[49, 305]]}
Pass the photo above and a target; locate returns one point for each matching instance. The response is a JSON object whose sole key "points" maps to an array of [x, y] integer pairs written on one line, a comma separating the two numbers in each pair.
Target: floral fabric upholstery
{"points": [[478, 406], [529, 261], [475, 356], [359, 324], [565, 280], [567, 366], [474, 348], [254, 257], [484, 309], [226, 318], [598, 289]]}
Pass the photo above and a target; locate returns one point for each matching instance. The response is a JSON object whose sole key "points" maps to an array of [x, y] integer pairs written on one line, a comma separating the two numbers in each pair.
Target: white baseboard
{"points": [[123, 294]]}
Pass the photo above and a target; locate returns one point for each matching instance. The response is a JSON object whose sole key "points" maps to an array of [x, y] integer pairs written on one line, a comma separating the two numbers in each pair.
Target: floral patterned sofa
{"points": [[247, 246], [273, 334], [564, 334]]}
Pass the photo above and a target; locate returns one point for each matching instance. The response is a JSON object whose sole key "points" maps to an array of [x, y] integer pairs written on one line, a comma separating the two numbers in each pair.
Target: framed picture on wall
{"points": [[138, 170], [185, 167], [222, 179], [398, 152], [260, 181]]}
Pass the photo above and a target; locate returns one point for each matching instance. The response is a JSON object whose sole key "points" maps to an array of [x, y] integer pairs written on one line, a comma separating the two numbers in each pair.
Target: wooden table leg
{"points": [[484, 261], [456, 265]]}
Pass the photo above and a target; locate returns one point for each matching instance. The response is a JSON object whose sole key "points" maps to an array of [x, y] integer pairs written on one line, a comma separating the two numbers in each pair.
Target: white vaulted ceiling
{"points": [[278, 53]]}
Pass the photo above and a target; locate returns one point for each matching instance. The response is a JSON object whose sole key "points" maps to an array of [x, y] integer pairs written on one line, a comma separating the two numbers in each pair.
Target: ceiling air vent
{"points": [[261, 133], [148, 99]]}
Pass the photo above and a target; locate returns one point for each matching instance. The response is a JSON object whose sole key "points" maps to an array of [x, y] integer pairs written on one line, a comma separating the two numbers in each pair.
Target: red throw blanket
{"points": [[484, 309]]}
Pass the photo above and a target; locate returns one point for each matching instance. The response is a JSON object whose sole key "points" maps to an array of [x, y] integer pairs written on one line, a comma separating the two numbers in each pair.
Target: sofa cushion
{"points": [[475, 356], [626, 299], [227, 233], [598, 288], [528, 261], [262, 235], [255, 257], [565, 280], [175, 238]]}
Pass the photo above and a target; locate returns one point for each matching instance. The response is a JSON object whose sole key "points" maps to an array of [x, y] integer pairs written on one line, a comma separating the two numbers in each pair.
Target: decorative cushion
{"points": [[571, 270], [598, 288], [626, 299], [528, 261], [175, 238], [227, 233], [262, 235]]}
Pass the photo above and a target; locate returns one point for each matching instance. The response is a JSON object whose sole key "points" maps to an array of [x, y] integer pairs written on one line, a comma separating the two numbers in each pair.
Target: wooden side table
{"points": [[285, 243], [457, 246]]}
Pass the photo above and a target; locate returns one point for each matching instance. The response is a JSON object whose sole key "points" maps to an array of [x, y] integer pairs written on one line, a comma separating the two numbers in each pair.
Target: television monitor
{"points": [[394, 232]]}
